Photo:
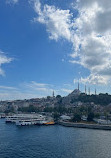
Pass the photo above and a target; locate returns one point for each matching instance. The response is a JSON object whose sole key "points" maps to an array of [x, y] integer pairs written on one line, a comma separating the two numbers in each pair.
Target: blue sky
{"points": [[50, 45]]}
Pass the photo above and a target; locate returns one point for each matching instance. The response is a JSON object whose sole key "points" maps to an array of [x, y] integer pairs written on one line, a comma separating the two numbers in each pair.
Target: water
{"points": [[53, 142]]}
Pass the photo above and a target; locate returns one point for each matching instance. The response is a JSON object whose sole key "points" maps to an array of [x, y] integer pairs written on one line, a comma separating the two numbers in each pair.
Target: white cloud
{"points": [[8, 88], [66, 90], [24, 91], [17, 95], [43, 89], [94, 79], [89, 32], [12, 1], [33, 89], [40, 89], [94, 33], [3, 60], [57, 21], [39, 84]]}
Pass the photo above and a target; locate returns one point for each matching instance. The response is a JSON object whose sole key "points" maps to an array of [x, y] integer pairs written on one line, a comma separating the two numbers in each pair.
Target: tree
{"points": [[10, 109], [56, 116], [76, 117], [48, 97], [31, 108], [97, 115], [48, 109], [58, 96], [90, 117]]}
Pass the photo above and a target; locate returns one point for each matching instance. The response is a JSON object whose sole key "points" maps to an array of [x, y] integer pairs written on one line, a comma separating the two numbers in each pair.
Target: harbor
{"points": [[39, 119]]}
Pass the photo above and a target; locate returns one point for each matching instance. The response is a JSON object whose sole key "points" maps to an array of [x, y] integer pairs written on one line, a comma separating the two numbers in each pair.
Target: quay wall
{"points": [[84, 125]]}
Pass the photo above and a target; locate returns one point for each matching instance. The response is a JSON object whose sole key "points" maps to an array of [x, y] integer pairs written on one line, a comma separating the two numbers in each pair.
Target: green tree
{"points": [[76, 117], [56, 116], [97, 115], [48, 97], [90, 117], [58, 96]]}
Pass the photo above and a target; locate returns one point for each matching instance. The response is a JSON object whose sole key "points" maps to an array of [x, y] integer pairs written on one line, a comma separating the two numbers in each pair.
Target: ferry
{"points": [[38, 121], [25, 122], [16, 117], [30, 121], [2, 115]]}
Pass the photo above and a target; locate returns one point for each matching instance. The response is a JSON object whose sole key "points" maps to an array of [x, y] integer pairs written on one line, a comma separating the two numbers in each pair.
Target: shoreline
{"points": [[84, 125]]}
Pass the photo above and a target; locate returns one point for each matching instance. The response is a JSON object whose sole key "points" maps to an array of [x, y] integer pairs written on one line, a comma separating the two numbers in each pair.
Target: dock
{"points": [[85, 125]]}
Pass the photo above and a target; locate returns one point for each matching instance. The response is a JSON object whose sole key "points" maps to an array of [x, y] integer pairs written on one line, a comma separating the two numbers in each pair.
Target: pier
{"points": [[85, 125]]}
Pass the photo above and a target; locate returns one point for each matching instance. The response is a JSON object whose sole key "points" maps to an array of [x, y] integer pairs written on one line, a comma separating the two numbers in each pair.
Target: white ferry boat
{"points": [[16, 117], [34, 121], [25, 122], [28, 119], [41, 122]]}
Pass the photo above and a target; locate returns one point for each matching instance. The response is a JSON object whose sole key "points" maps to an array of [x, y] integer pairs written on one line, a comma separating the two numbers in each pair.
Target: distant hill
{"points": [[74, 99]]}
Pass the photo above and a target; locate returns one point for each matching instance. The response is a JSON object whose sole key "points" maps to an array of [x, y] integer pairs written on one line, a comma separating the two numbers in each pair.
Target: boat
{"points": [[29, 119], [25, 122], [50, 123], [21, 117]]}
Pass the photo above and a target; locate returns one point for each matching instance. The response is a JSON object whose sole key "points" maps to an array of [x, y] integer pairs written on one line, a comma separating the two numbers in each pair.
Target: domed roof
{"points": [[75, 92]]}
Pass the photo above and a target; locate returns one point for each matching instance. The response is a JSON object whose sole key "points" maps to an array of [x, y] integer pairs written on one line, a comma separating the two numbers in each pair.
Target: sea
{"points": [[53, 141]]}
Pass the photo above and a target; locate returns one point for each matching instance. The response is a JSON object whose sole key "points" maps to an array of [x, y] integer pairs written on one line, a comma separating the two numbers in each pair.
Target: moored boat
{"points": [[50, 123], [16, 117], [25, 122]]}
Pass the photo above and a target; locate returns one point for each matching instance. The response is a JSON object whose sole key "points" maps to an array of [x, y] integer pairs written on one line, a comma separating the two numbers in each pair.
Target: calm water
{"points": [[53, 142]]}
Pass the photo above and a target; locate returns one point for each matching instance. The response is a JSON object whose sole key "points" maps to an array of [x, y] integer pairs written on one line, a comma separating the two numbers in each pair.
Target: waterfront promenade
{"points": [[85, 125]]}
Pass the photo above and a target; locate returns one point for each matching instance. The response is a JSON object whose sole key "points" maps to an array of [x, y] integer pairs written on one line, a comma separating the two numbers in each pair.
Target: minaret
{"points": [[85, 89], [89, 90], [95, 91], [78, 85], [53, 94]]}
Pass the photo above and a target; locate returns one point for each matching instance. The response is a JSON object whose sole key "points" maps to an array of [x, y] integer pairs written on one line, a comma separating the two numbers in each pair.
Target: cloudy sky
{"points": [[48, 45]]}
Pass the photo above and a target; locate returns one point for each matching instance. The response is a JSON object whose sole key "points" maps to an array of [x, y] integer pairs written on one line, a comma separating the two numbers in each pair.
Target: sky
{"points": [[50, 45]]}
